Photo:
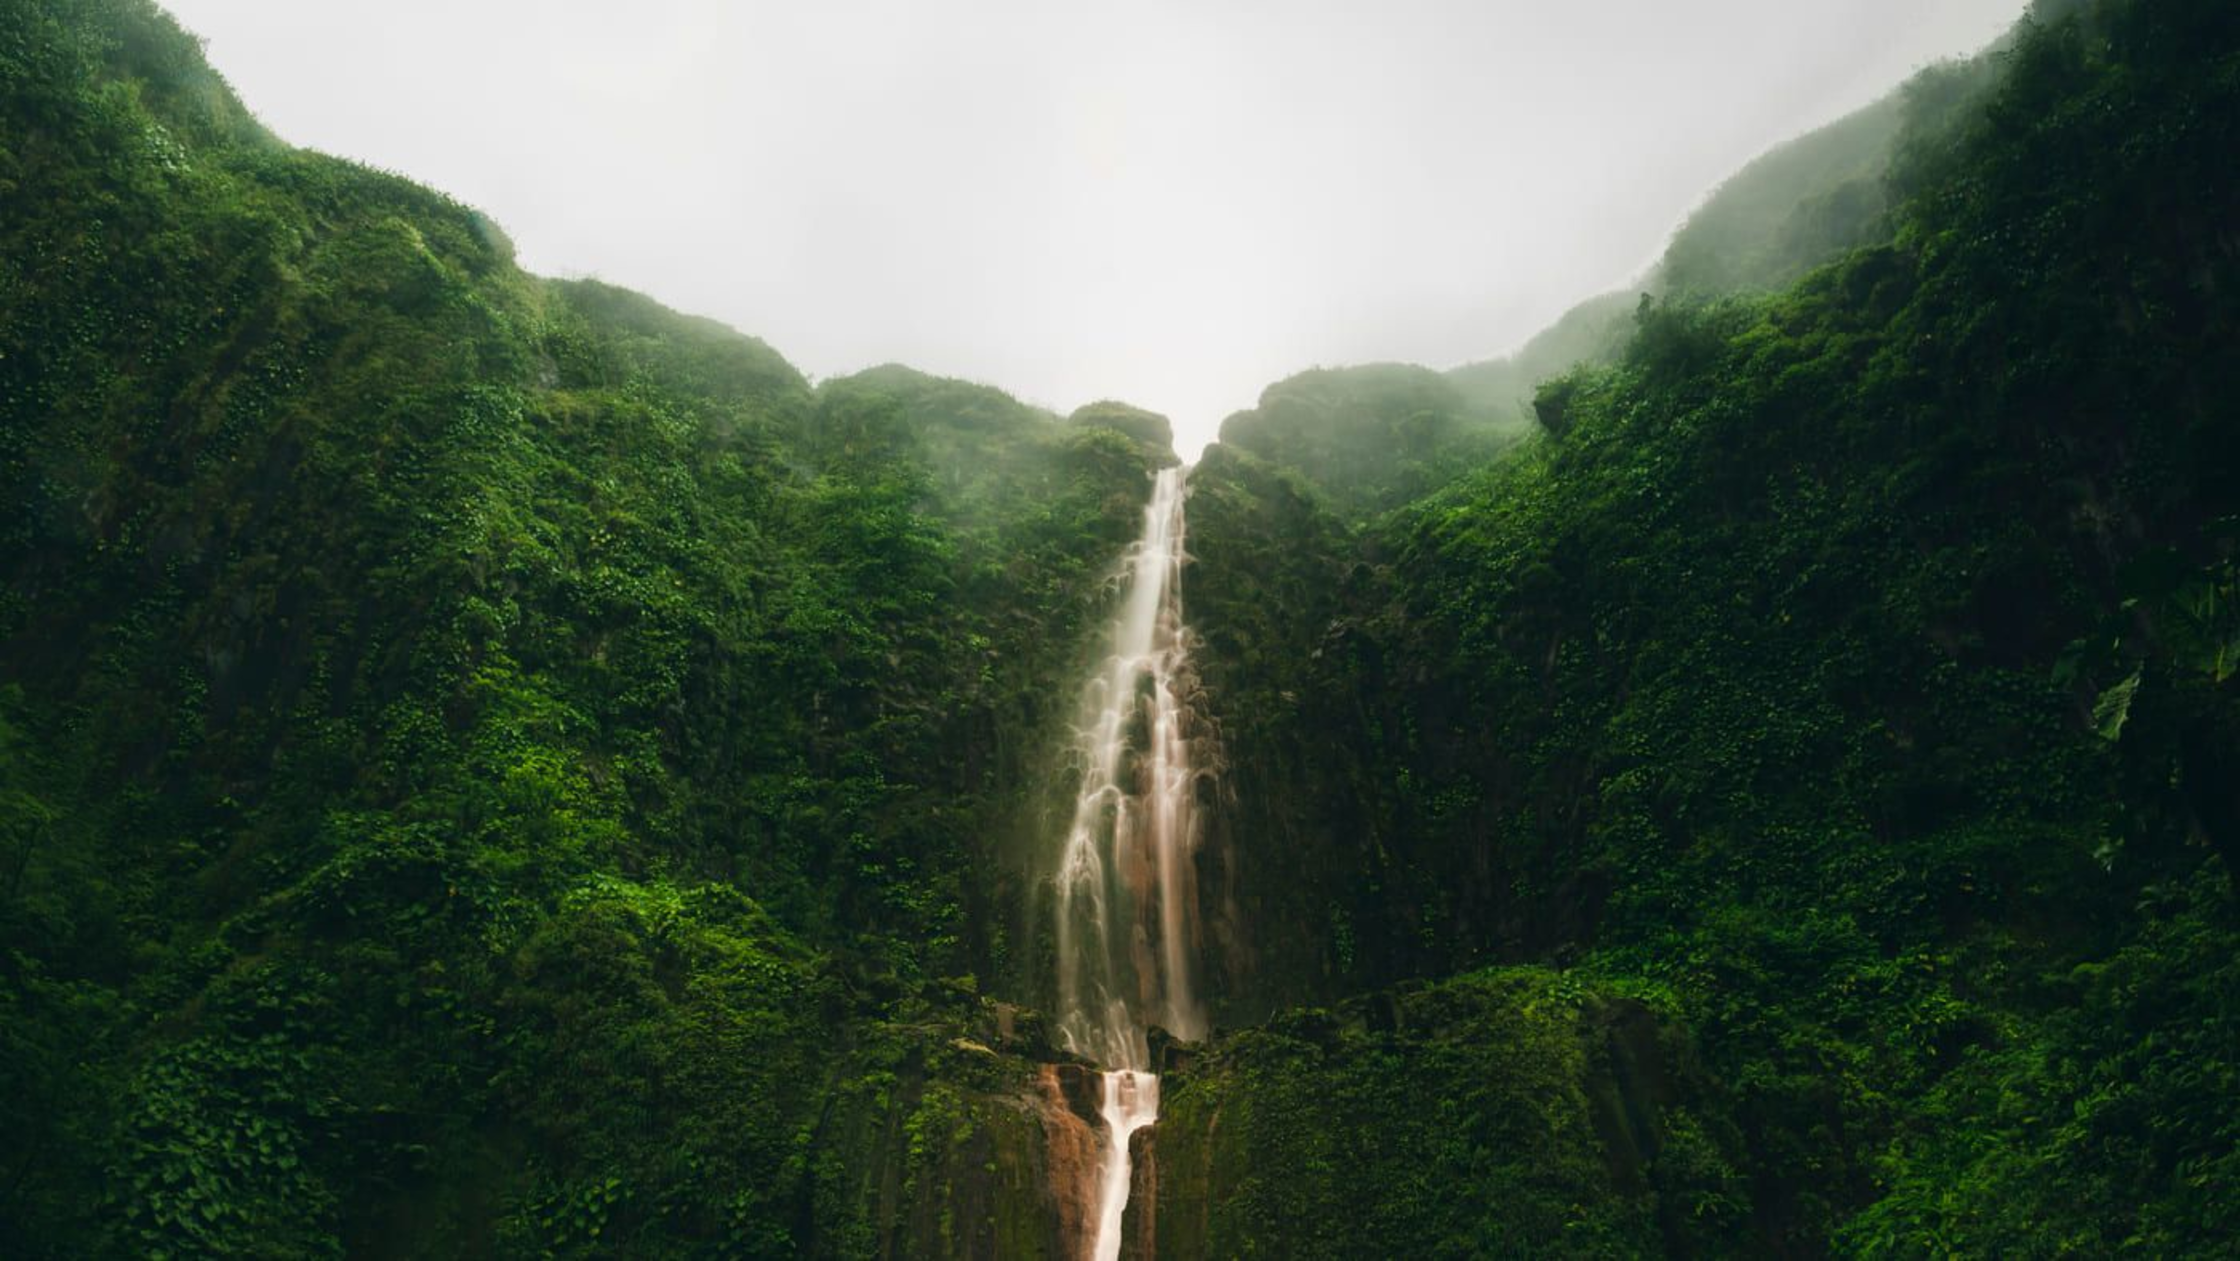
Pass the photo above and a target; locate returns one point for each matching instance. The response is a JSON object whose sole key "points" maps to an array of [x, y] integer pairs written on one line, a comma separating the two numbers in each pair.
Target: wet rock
{"points": [[1072, 1150], [1079, 1087]]}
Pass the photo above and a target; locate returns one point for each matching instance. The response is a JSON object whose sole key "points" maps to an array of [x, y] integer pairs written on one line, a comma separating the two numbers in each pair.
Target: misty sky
{"points": [[1170, 203]]}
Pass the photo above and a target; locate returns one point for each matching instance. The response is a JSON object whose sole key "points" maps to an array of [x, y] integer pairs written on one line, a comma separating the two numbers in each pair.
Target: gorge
{"points": [[491, 765]]}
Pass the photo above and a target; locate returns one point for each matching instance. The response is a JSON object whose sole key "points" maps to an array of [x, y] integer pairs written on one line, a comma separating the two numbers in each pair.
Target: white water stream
{"points": [[1127, 905], [1131, 1101]]}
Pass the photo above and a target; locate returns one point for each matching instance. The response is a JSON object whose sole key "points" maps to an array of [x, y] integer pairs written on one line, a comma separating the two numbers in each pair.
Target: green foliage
{"points": [[466, 741], [1802, 205], [493, 766], [1593, 332], [217, 1147], [1772, 683], [1489, 1115], [2104, 1129], [1372, 437], [1149, 428], [1798, 206]]}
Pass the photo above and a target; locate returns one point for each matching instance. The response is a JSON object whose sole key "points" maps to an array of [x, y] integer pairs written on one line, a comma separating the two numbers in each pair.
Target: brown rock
{"points": [[1068, 1095]]}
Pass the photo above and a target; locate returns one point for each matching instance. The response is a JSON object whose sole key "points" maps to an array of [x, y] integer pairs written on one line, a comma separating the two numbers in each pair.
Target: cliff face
{"points": [[1841, 675], [1481, 1116], [494, 766], [486, 763], [959, 1150]]}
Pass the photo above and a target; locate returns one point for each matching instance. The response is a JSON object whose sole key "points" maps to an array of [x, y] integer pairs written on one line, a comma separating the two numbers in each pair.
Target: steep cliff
{"points": [[494, 766], [1843, 673]]}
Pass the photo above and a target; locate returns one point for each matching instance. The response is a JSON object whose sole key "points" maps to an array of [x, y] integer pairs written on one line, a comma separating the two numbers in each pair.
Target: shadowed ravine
{"points": [[1127, 922]]}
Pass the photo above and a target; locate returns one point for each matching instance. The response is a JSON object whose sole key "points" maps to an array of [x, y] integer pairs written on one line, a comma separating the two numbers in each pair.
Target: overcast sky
{"points": [[1173, 203]]}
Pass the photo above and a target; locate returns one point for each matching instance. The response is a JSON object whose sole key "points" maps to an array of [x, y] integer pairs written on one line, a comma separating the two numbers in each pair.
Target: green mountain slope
{"points": [[1372, 437], [485, 757], [492, 766], [1805, 203], [1849, 680]]}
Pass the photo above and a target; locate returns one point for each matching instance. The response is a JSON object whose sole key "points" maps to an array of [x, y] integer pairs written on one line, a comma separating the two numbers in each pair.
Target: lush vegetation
{"points": [[1846, 675], [1371, 438], [493, 766], [1806, 203], [484, 759], [1508, 1112]]}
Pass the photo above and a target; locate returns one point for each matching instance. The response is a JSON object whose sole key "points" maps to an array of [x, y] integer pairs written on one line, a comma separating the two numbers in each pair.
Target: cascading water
{"points": [[1127, 906], [1131, 1101]]}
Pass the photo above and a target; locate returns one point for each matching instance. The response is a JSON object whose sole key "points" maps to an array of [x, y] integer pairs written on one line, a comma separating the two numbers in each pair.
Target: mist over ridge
{"points": [[1174, 208]]}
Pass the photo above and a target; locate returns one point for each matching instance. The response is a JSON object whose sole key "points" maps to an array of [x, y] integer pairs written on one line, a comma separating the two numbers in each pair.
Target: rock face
{"points": [[1073, 1146], [1490, 1115], [1140, 1228], [973, 1153]]}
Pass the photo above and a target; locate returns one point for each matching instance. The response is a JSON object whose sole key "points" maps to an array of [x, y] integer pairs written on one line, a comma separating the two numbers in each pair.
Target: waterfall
{"points": [[1127, 906], [1131, 1101]]}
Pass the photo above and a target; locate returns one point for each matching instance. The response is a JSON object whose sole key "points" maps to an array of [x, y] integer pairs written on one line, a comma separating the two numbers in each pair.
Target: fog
{"points": [[1168, 203]]}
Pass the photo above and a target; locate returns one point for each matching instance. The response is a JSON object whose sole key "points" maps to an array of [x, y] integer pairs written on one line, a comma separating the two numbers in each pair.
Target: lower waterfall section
{"points": [[1127, 920], [1131, 1101]]}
